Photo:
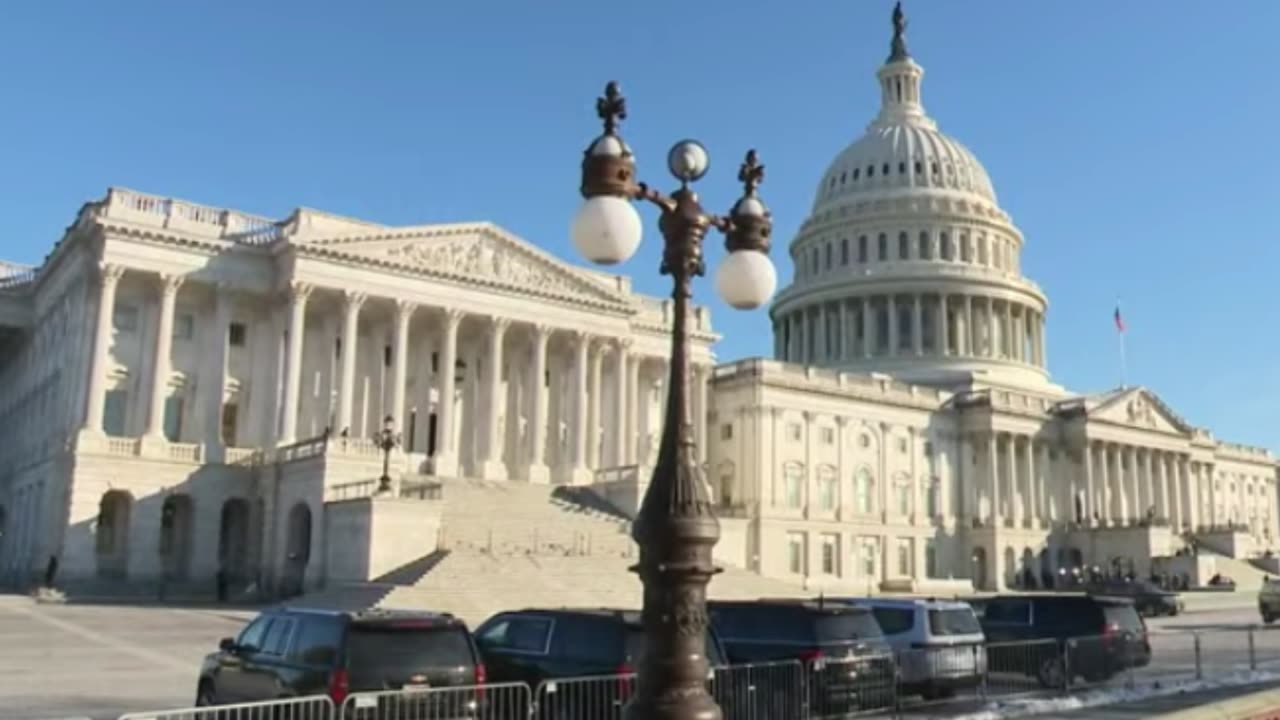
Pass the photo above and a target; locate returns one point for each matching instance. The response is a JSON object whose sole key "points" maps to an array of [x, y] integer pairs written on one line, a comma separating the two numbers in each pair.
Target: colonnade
{"points": [[911, 324]]}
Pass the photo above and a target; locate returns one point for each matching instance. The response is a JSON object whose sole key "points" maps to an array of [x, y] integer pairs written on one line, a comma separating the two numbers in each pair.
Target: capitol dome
{"points": [[906, 264]]}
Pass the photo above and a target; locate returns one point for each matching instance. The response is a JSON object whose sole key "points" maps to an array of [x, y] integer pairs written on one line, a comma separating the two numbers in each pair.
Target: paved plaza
{"points": [[98, 661]]}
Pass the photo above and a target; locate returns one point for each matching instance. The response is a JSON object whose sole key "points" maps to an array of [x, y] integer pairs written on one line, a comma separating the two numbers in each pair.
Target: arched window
{"points": [[923, 251], [882, 247], [844, 251], [793, 484], [725, 494], [966, 255], [864, 487], [904, 246], [828, 488], [828, 258], [944, 249], [862, 249]]}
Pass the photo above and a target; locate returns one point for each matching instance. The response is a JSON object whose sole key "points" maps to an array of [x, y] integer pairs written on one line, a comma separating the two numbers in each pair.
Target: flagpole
{"points": [[1124, 365]]}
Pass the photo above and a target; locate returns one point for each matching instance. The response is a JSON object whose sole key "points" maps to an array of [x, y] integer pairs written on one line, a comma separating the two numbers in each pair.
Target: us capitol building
{"points": [[188, 391]]}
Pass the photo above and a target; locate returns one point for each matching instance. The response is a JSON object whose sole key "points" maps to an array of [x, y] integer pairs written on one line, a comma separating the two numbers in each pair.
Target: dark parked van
{"points": [[1096, 636], [849, 665], [294, 652]]}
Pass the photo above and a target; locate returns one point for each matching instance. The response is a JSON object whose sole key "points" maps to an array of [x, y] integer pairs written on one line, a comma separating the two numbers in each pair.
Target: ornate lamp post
{"points": [[676, 527], [387, 441]]}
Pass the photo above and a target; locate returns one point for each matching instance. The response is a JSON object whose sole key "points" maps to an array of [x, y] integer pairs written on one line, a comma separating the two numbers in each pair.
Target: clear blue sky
{"points": [[1134, 143]]}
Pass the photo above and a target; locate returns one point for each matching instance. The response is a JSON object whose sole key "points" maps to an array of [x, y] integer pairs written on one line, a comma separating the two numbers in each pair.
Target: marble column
{"points": [[917, 325], [1161, 472], [575, 471], [109, 279], [892, 310], [594, 421], [944, 327], [701, 404], [298, 294], [990, 348], [1033, 490], [994, 515], [445, 460], [1050, 492], [215, 378], [538, 471], [618, 423], [1007, 336], [637, 402], [1194, 493], [1090, 503], [1016, 492], [822, 349], [352, 302], [1149, 479], [400, 365], [868, 328], [162, 361], [844, 338], [494, 467]]}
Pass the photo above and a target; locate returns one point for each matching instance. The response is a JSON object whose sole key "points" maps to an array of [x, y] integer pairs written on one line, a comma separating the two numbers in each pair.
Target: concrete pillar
{"points": [[619, 422], [917, 324], [596, 393], [162, 361], [576, 471], [215, 376], [538, 470], [352, 302], [400, 364], [868, 328], [109, 279], [493, 467], [445, 459], [298, 294]]}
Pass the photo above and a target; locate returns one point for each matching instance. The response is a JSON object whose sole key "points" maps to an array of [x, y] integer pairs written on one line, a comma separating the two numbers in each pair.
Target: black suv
{"points": [[1056, 638], [841, 648], [539, 647], [294, 652]]}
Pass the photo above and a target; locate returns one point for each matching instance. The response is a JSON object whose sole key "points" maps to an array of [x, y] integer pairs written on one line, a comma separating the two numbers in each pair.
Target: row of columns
{"points": [[906, 325], [587, 381]]}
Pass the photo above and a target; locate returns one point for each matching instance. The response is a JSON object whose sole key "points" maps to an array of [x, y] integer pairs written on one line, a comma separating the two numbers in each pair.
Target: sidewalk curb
{"points": [[1262, 705]]}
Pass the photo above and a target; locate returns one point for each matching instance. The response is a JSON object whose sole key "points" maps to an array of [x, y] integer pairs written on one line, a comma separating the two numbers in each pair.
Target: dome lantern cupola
{"points": [[900, 80]]}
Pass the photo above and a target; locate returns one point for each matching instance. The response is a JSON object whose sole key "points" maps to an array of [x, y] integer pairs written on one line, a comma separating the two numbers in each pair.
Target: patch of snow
{"points": [[1022, 707]]}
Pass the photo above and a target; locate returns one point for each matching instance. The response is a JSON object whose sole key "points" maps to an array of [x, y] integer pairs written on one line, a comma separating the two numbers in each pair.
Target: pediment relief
{"points": [[480, 254], [1141, 409]]}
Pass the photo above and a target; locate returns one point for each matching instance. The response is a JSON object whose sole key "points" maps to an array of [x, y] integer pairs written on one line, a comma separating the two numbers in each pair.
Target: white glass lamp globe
{"points": [[746, 279], [688, 160], [606, 230]]}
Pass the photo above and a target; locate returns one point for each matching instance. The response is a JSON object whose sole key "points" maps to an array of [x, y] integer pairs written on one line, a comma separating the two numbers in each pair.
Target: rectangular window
{"points": [[827, 493], [125, 318], [229, 416], [904, 557], [794, 479], [184, 326], [793, 431], [236, 334], [795, 552], [844, 251], [726, 431], [830, 554], [870, 549], [113, 412], [173, 418], [862, 249], [931, 558], [902, 493], [828, 436]]}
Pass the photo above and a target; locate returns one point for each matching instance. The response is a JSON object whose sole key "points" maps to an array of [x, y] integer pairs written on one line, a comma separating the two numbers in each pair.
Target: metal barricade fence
{"points": [[499, 701], [841, 687], [760, 692], [1019, 668], [601, 697], [315, 707]]}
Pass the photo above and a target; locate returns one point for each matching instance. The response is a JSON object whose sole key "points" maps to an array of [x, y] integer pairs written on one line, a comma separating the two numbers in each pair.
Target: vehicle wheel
{"points": [[205, 696], [1051, 673]]}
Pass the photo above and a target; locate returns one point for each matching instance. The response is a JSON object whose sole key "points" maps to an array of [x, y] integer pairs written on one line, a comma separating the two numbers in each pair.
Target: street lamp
{"points": [[676, 527], [387, 441]]}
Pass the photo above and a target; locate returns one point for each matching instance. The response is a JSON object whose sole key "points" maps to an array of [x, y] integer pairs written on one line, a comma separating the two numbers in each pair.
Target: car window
{"points": [[278, 635], [516, 633], [375, 649], [588, 638], [317, 641], [1123, 617], [953, 621], [1009, 611], [251, 637], [894, 621], [763, 623], [844, 627]]}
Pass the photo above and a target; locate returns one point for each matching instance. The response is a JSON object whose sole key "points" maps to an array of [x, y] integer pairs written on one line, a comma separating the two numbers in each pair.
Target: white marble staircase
{"points": [[511, 545]]}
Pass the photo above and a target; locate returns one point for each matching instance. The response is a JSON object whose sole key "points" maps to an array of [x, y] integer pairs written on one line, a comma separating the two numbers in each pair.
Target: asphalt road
{"points": [[99, 661]]}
